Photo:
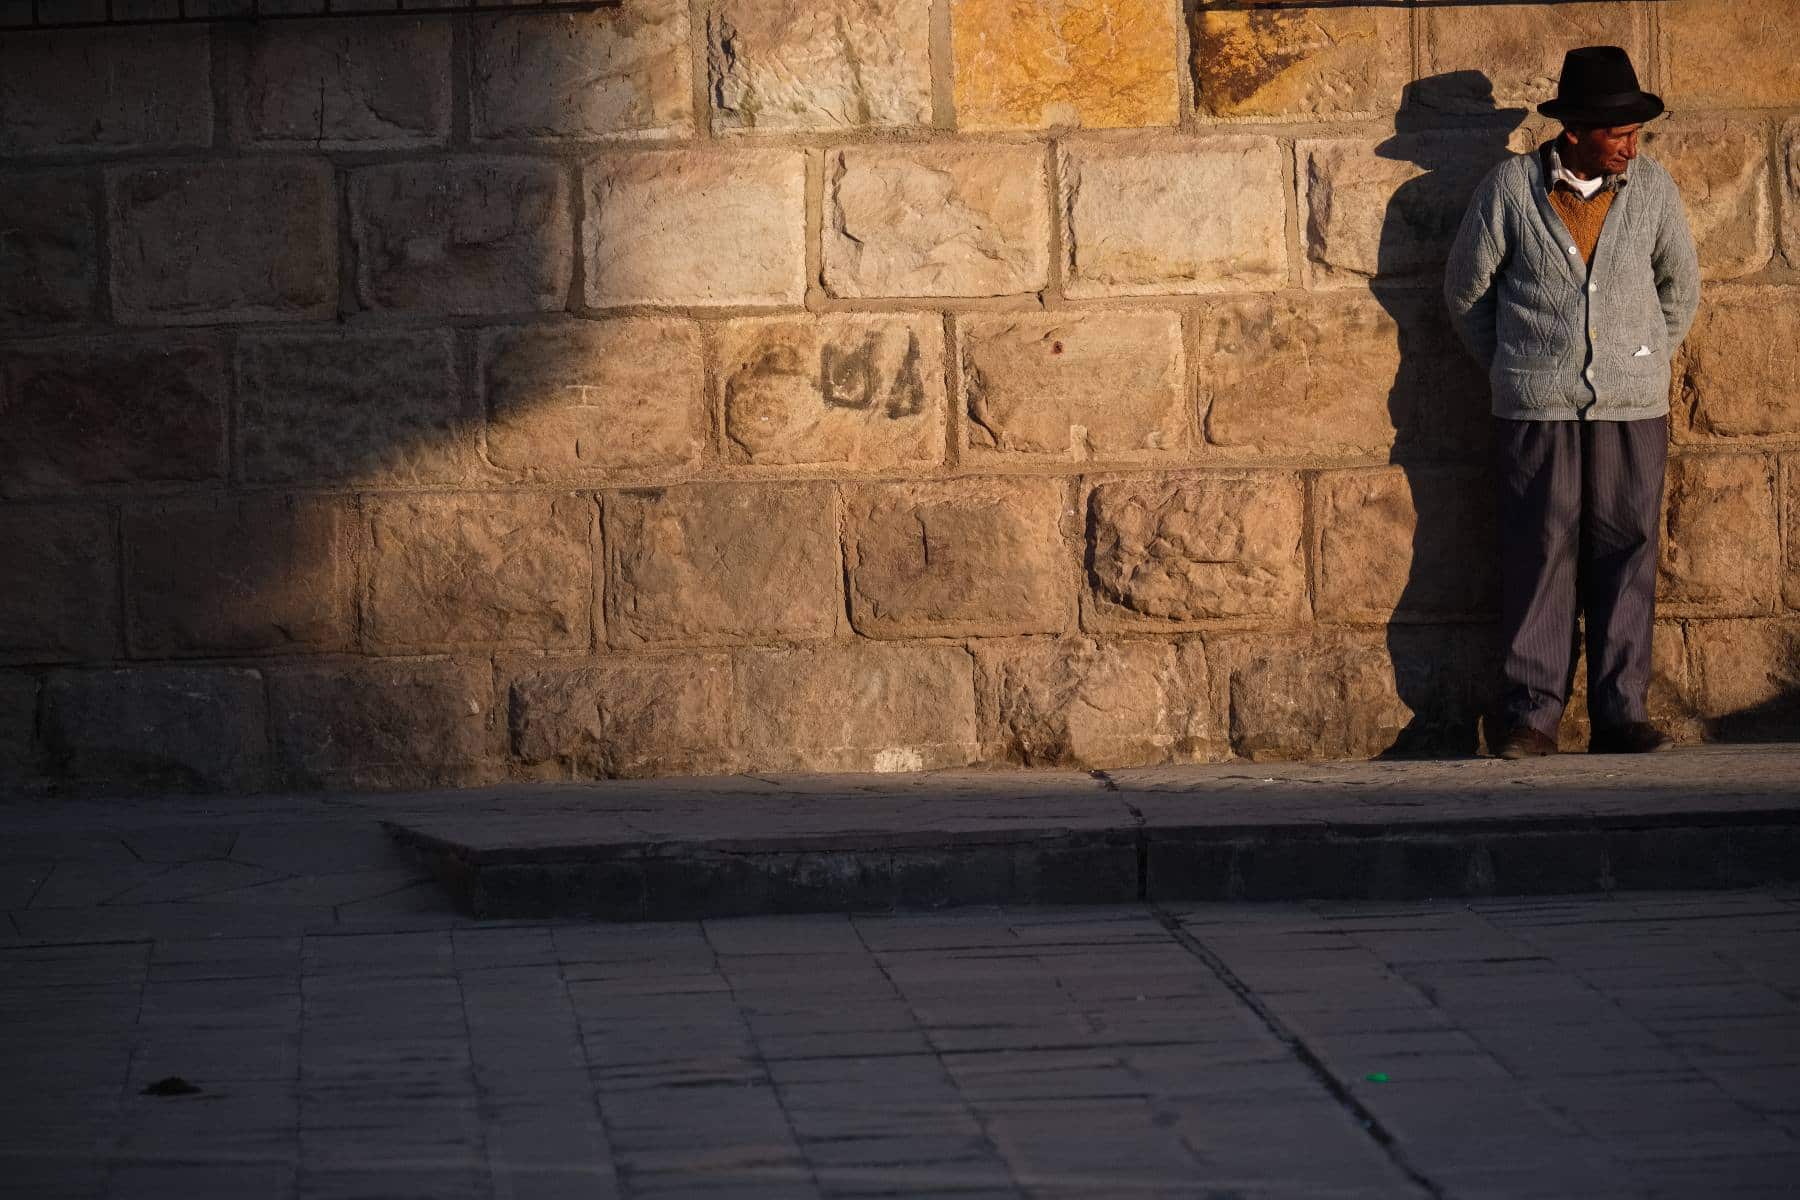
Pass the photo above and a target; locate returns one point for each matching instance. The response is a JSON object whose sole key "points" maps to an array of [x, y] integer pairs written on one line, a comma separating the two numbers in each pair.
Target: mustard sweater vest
{"points": [[1583, 217]]}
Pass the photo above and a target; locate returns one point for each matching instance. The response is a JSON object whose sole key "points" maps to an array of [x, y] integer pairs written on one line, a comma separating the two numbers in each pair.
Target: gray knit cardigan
{"points": [[1561, 340]]}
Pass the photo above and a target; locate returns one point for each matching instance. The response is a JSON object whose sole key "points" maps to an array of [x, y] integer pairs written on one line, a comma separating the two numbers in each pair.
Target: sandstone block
{"points": [[190, 729], [864, 391], [1084, 702], [369, 85], [1790, 470], [1404, 544], [594, 397], [59, 594], [1722, 171], [1093, 385], [124, 89], [936, 221], [1739, 370], [1390, 211], [463, 236], [624, 72], [210, 242], [1031, 66], [448, 572], [385, 725], [690, 227], [1720, 553], [1730, 53], [369, 408], [1182, 550], [858, 706], [19, 759], [624, 718], [1749, 677], [1299, 63], [1353, 694], [1790, 198], [1512, 55], [120, 411], [975, 557], [1203, 214], [722, 563], [819, 64], [49, 264], [238, 574]]}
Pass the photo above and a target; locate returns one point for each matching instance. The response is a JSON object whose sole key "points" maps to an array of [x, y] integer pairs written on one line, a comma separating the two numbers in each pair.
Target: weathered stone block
{"points": [[1203, 214], [819, 64], [125, 89], [209, 242], [626, 73], [1790, 472], [49, 263], [694, 227], [238, 574], [471, 235], [1353, 694], [1031, 66], [860, 706], [1387, 211], [59, 592], [1336, 377], [364, 407], [1739, 370], [1720, 553], [1182, 550], [385, 725], [936, 221], [865, 391], [974, 557], [447, 572], [192, 729], [19, 759], [592, 398], [623, 718], [1722, 171], [1512, 55], [1404, 544], [368, 85], [1084, 702], [722, 563], [1067, 385], [86, 414], [1790, 198], [1730, 53], [1749, 676], [1299, 63]]}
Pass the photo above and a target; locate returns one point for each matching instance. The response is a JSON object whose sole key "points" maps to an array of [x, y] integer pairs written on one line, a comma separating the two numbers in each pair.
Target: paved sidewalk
{"points": [[350, 1036]]}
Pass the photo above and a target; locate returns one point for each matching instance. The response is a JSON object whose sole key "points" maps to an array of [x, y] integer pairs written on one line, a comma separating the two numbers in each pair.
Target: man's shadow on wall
{"points": [[1440, 637]]}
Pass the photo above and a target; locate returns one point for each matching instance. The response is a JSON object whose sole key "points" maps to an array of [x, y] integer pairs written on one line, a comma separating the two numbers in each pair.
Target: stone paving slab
{"points": [[1713, 817]]}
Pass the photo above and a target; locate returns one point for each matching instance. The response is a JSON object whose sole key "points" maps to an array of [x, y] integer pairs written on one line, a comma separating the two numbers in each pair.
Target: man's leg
{"points": [[1540, 512], [1622, 484]]}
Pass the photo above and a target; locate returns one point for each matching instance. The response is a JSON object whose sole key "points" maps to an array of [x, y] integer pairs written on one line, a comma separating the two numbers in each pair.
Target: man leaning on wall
{"points": [[1573, 279]]}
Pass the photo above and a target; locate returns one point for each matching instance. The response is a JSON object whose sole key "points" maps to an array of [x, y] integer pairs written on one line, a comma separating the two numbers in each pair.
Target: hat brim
{"points": [[1640, 108]]}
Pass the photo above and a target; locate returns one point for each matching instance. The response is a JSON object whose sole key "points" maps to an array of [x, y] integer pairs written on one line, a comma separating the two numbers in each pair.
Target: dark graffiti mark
{"points": [[848, 378]]}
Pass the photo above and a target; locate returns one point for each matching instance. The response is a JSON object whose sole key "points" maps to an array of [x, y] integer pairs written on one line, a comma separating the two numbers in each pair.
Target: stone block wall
{"points": [[717, 385]]}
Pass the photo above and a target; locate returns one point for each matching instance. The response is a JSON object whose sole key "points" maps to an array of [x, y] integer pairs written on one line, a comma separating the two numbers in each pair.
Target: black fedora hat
{"points": [[1599, 88]]}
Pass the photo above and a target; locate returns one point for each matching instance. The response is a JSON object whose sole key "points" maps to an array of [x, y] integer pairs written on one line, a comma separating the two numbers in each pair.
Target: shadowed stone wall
{"points": [[824, 384]]}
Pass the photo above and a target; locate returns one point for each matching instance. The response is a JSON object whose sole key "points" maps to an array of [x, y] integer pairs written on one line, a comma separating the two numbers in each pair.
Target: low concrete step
{"points": [[679, 849]]}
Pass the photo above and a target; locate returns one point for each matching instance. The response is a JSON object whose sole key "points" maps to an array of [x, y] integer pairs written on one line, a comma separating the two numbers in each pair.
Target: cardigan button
{"points": [[1571, 250], [1593, 287]]}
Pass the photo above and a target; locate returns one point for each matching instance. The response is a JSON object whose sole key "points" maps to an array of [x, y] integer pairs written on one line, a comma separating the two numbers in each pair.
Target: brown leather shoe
{"points": [[1634, 737], [1522, 741]]}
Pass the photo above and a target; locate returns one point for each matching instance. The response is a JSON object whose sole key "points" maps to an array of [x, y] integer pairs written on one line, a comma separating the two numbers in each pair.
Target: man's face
{"points": [[1602, 151]]}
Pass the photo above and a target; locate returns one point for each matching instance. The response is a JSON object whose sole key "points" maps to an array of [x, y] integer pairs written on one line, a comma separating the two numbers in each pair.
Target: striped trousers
{"points": [[1580, 507]]}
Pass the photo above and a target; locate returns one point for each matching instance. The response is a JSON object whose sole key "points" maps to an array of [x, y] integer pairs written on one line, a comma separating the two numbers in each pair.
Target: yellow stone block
{"points": [[1032, 64], [1738, 53], [1289, 62]]}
